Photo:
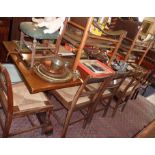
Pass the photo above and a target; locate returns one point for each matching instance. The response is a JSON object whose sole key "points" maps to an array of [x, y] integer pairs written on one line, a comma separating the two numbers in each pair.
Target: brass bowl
{"points": [[57, 65]]}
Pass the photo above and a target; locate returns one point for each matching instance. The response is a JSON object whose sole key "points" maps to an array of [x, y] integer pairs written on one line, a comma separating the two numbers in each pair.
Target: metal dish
{"points": [[48, 78], [48, 72]]}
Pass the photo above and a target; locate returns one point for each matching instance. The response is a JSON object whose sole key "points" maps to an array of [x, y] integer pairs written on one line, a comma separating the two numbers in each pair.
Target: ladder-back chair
{"points": [[17, 102], [35, 34], [134, 50], [109, 42], [126, 89], [79, 98], [110, 91], [144, 83]]}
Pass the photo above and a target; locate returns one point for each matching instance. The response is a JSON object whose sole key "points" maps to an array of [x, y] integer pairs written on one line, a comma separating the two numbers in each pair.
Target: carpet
{"points": [[137, 114]]}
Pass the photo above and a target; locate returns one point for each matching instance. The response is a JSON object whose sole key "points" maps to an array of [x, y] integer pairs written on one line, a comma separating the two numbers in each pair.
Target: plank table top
{"points": [[33, 82]]}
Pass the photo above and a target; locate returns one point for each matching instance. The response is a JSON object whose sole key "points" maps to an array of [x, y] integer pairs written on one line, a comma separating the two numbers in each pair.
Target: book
{"points": [[95, 67]]}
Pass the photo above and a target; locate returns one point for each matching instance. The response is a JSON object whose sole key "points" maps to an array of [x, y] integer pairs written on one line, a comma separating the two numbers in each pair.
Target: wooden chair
{"points": [[109, 41], [17, 102], [79, 98], [149, 60], [126, 90], [150, 80], [130, 26], [143, 84], [110, 91], [36, 34], [134, 50]]}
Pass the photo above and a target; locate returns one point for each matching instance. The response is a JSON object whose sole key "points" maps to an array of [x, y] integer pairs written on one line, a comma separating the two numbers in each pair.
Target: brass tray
{"points": [[38, 71], [44, 70]]}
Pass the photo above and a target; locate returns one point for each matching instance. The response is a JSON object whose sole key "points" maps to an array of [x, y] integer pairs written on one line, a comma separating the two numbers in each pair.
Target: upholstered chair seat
{"points": [[36, 32], [40, 40]]}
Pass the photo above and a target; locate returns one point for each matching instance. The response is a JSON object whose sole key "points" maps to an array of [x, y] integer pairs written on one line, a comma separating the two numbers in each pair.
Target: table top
{"points": [[33, 82]]}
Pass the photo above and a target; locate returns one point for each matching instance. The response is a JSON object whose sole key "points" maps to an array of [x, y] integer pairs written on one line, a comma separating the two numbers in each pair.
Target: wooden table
{"points": [[33, 82]]}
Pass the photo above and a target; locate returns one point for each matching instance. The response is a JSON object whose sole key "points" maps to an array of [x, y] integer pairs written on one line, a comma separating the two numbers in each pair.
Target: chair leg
{"points": [[145, 90], [107, 107], [66, 124], [49, 127], [7, 127], [48, 114], [86, 119], [116, 107], [33, 52], [134, 96], [85, 123], [21, 40], [126, 101], [91, 112]]}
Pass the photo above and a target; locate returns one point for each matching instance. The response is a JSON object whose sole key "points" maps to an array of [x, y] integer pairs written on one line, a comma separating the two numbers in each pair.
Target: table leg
{"points": [[48, 129]]}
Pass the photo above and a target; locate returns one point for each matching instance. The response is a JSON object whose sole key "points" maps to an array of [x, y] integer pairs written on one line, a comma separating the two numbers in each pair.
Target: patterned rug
{"points": [[138, 113]]}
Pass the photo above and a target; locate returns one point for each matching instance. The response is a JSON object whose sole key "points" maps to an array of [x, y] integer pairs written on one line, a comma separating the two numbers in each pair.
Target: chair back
{"points": [[136, 48], [59, 39], [117, 80], [6, 95], [131, 82], [128, 25], [144, 78], [95, 94], [151, 77], [110, 40]]}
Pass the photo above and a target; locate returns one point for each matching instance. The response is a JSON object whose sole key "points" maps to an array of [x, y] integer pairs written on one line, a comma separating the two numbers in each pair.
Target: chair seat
{"points": [[107, 92], [26, 101], [95, 86], [123, 86], [67, 94], [33, 31]]}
